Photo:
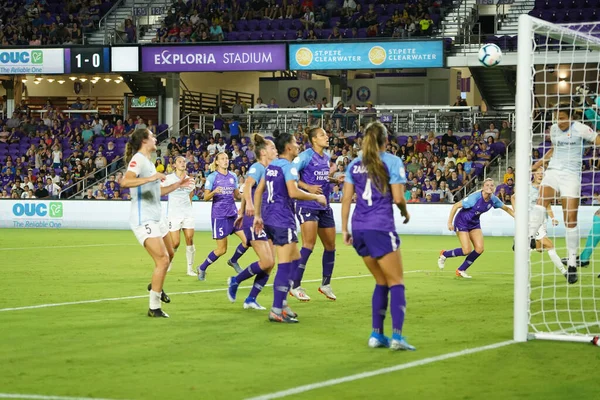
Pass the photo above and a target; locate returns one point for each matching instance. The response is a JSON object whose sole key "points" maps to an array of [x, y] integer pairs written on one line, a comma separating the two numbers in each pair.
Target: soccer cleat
{"points": [[281, 318], [572, 275], [191, 272], [289, 312], [232, 289], [251, 304], [327, 292], [441, 261], [378, 340], [532, 245], [462, 274], [163, 296], [399, 343], [201, 274], [235, 266], [300, 294], [158, 313], [578, 261]]}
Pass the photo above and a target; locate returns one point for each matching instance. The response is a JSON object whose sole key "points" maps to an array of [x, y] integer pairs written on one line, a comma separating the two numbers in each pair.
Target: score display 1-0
{"points": [[87, 60]]}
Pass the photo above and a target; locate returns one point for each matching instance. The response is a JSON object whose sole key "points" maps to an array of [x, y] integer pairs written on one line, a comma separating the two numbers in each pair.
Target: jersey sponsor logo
{"points": [[294, 171], [231, 180], [252, 170], [132, 164]]}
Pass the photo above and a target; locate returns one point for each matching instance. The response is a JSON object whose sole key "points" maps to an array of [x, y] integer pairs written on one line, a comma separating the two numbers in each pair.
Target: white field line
{"points": [[42, 397], [369, 374]]}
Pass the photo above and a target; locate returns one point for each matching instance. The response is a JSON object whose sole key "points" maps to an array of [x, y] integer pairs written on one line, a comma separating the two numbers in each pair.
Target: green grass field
{"points": [[212, 349]]}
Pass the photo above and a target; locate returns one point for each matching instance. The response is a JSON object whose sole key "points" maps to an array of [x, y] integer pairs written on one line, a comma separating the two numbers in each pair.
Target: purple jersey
{"points": [[374, 211], [256, 172], [223, 205], [473, 206], [277, 205], [314, 170]]}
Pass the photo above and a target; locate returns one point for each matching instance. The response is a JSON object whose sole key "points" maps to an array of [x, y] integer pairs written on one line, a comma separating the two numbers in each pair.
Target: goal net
{"points": [[557, 65]]}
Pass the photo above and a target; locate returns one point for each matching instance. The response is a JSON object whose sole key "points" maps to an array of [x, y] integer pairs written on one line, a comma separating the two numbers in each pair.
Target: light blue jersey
{"points": [[568, 147]]}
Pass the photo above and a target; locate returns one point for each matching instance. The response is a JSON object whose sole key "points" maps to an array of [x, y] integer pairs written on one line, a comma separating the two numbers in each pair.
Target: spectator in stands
{"points": [[505, 133], [173, 146], [221, 145], [88, 105], [238, 109], [140, 123], [218, 126], [454, 183], [483, 155], [460, 102], [235, 129], [52, 188], [491, 132], [426, 25], [13, 122], [502, 195], [336, 195], [89, 195], [216, 32], [446, 195], [130, 32], [449, 138], [273, 103]]}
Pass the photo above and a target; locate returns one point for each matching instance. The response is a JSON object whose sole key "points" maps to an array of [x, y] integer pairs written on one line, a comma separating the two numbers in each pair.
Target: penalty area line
{"points": [[369, 374]]}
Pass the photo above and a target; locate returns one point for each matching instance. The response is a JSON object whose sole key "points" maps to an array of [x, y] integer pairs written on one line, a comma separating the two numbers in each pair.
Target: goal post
{"points": [[552, 61]]}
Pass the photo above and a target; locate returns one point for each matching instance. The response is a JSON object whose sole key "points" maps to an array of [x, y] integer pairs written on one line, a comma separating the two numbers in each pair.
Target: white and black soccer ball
{"points": [[490, 55]]}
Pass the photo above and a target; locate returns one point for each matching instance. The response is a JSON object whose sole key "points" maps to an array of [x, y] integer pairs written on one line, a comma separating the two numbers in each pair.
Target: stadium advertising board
{"points": [[260, 57], [32, 61], [367, 55]]}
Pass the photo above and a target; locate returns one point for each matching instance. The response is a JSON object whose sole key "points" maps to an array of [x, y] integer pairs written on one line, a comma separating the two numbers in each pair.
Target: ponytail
{"points": [[374, 140], [310, 134], [135, 143], [259, 144]]}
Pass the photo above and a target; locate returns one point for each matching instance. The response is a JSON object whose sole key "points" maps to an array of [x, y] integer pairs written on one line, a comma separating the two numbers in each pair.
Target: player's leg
{"points": [[190, 250], [464, 249], [570, 207], [175, 234], [212, 257], [591, 242], [259, 269], [538, 212], [546, 244], [287, 255], [239, 251], [327, 236], [379, 304], [474, 236], [155, 246], [308, 228]]}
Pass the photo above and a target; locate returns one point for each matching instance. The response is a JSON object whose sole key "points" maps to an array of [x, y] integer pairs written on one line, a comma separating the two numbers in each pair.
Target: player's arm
{"points": [[397, 182], [347, 195], [453, 212], [543, 160], [295, 193], [399, 200], [508, 210], [247, 201], [314, 189], [513, 202], [164, 190], [258, 196], [237, 195], [131, 180], [209, 194]]}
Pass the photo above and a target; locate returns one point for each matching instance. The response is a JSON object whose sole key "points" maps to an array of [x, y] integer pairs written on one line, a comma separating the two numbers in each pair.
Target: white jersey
{"points": [[145, 199], [179, 205], [568, 147], [534, 193]]}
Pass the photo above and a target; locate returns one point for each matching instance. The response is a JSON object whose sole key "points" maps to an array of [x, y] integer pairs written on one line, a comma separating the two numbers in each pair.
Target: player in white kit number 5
{"points": [[180, 214], [563, 176]]}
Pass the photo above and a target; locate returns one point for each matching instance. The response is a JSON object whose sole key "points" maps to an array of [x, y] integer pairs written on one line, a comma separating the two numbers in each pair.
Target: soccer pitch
{"points": [[212, 349]]}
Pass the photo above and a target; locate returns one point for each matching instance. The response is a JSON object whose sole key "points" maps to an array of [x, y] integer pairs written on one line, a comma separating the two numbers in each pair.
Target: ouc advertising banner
{"points": [[260, 57], [367, 55], [32, 61]]}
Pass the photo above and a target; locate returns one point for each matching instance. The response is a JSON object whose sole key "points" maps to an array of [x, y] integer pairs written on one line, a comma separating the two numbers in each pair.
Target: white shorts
{"points": [[177, 223], [151, 229], [565, 183], [542, 232]]}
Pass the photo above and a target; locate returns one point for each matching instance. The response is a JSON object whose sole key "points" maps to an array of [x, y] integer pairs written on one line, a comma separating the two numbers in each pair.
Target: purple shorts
{"points": [[281, 236], [323, 217], [223, 227], [375, 244], [252, 236], [465, 226]]}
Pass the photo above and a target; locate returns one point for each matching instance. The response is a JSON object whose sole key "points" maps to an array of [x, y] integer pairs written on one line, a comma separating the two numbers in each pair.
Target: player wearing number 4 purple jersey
{"points": [[314, 170], [276, 206], [266, 153], [145, 217], [378, 179], [467, 226], [222, 188]]}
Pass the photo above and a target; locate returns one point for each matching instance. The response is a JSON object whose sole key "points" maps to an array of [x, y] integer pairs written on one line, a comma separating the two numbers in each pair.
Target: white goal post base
{"points": [[566, 338]]}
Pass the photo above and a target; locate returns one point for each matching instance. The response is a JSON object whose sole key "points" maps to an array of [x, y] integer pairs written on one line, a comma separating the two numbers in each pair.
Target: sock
{"points": [[154, 300], [454, 253], [281, 286], [260, 281], [379, 305], [536, 218], [592, 240], [328, 263], [293, 272], [253, 269], [212, 257], [189, 254], [469, 260], [572, 239], [304, 256], [238, 253], [397, 308], [556, 261]]}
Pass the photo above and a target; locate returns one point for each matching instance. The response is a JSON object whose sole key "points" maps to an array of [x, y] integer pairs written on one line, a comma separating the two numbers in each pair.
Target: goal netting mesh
{"points": [[563, 67]]}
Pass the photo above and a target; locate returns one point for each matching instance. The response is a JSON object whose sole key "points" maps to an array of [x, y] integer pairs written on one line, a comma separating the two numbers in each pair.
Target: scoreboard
{"points": [[89, 60]]}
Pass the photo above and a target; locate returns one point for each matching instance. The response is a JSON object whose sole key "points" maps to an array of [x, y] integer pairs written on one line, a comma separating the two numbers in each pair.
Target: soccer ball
{"points": [[490, 55]]}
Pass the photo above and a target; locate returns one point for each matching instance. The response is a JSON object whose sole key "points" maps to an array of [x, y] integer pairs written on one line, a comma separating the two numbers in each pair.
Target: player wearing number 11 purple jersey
{"points": [[378, 179]]}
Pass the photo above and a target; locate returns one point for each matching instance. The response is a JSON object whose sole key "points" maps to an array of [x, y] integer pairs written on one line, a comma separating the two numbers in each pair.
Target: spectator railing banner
{"points": [[32, 61], [367, 55], [426, 219], [219, 58]]}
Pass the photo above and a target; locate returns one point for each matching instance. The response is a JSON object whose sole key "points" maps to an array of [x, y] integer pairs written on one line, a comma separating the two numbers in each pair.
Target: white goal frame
{"points": [[524, 123]]}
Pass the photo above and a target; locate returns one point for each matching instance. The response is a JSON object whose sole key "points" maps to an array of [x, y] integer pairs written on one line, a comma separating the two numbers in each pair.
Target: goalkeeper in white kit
{"points": [[563, 177]]}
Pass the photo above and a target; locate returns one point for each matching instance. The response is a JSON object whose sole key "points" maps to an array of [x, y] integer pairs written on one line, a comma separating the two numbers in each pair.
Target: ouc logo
{"points": [[53, 210], [22, 57]]}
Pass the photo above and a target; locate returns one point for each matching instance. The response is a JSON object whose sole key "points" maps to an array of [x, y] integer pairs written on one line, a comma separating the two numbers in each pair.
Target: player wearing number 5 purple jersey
{"points": [[266, 153], [467, 226], [145, 217], [378, 179], [222, 188], [314, 170], [276, 206]]}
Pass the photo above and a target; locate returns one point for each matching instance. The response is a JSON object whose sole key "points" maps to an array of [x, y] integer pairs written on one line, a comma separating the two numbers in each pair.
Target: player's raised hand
{"points": [[322, 200]]}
